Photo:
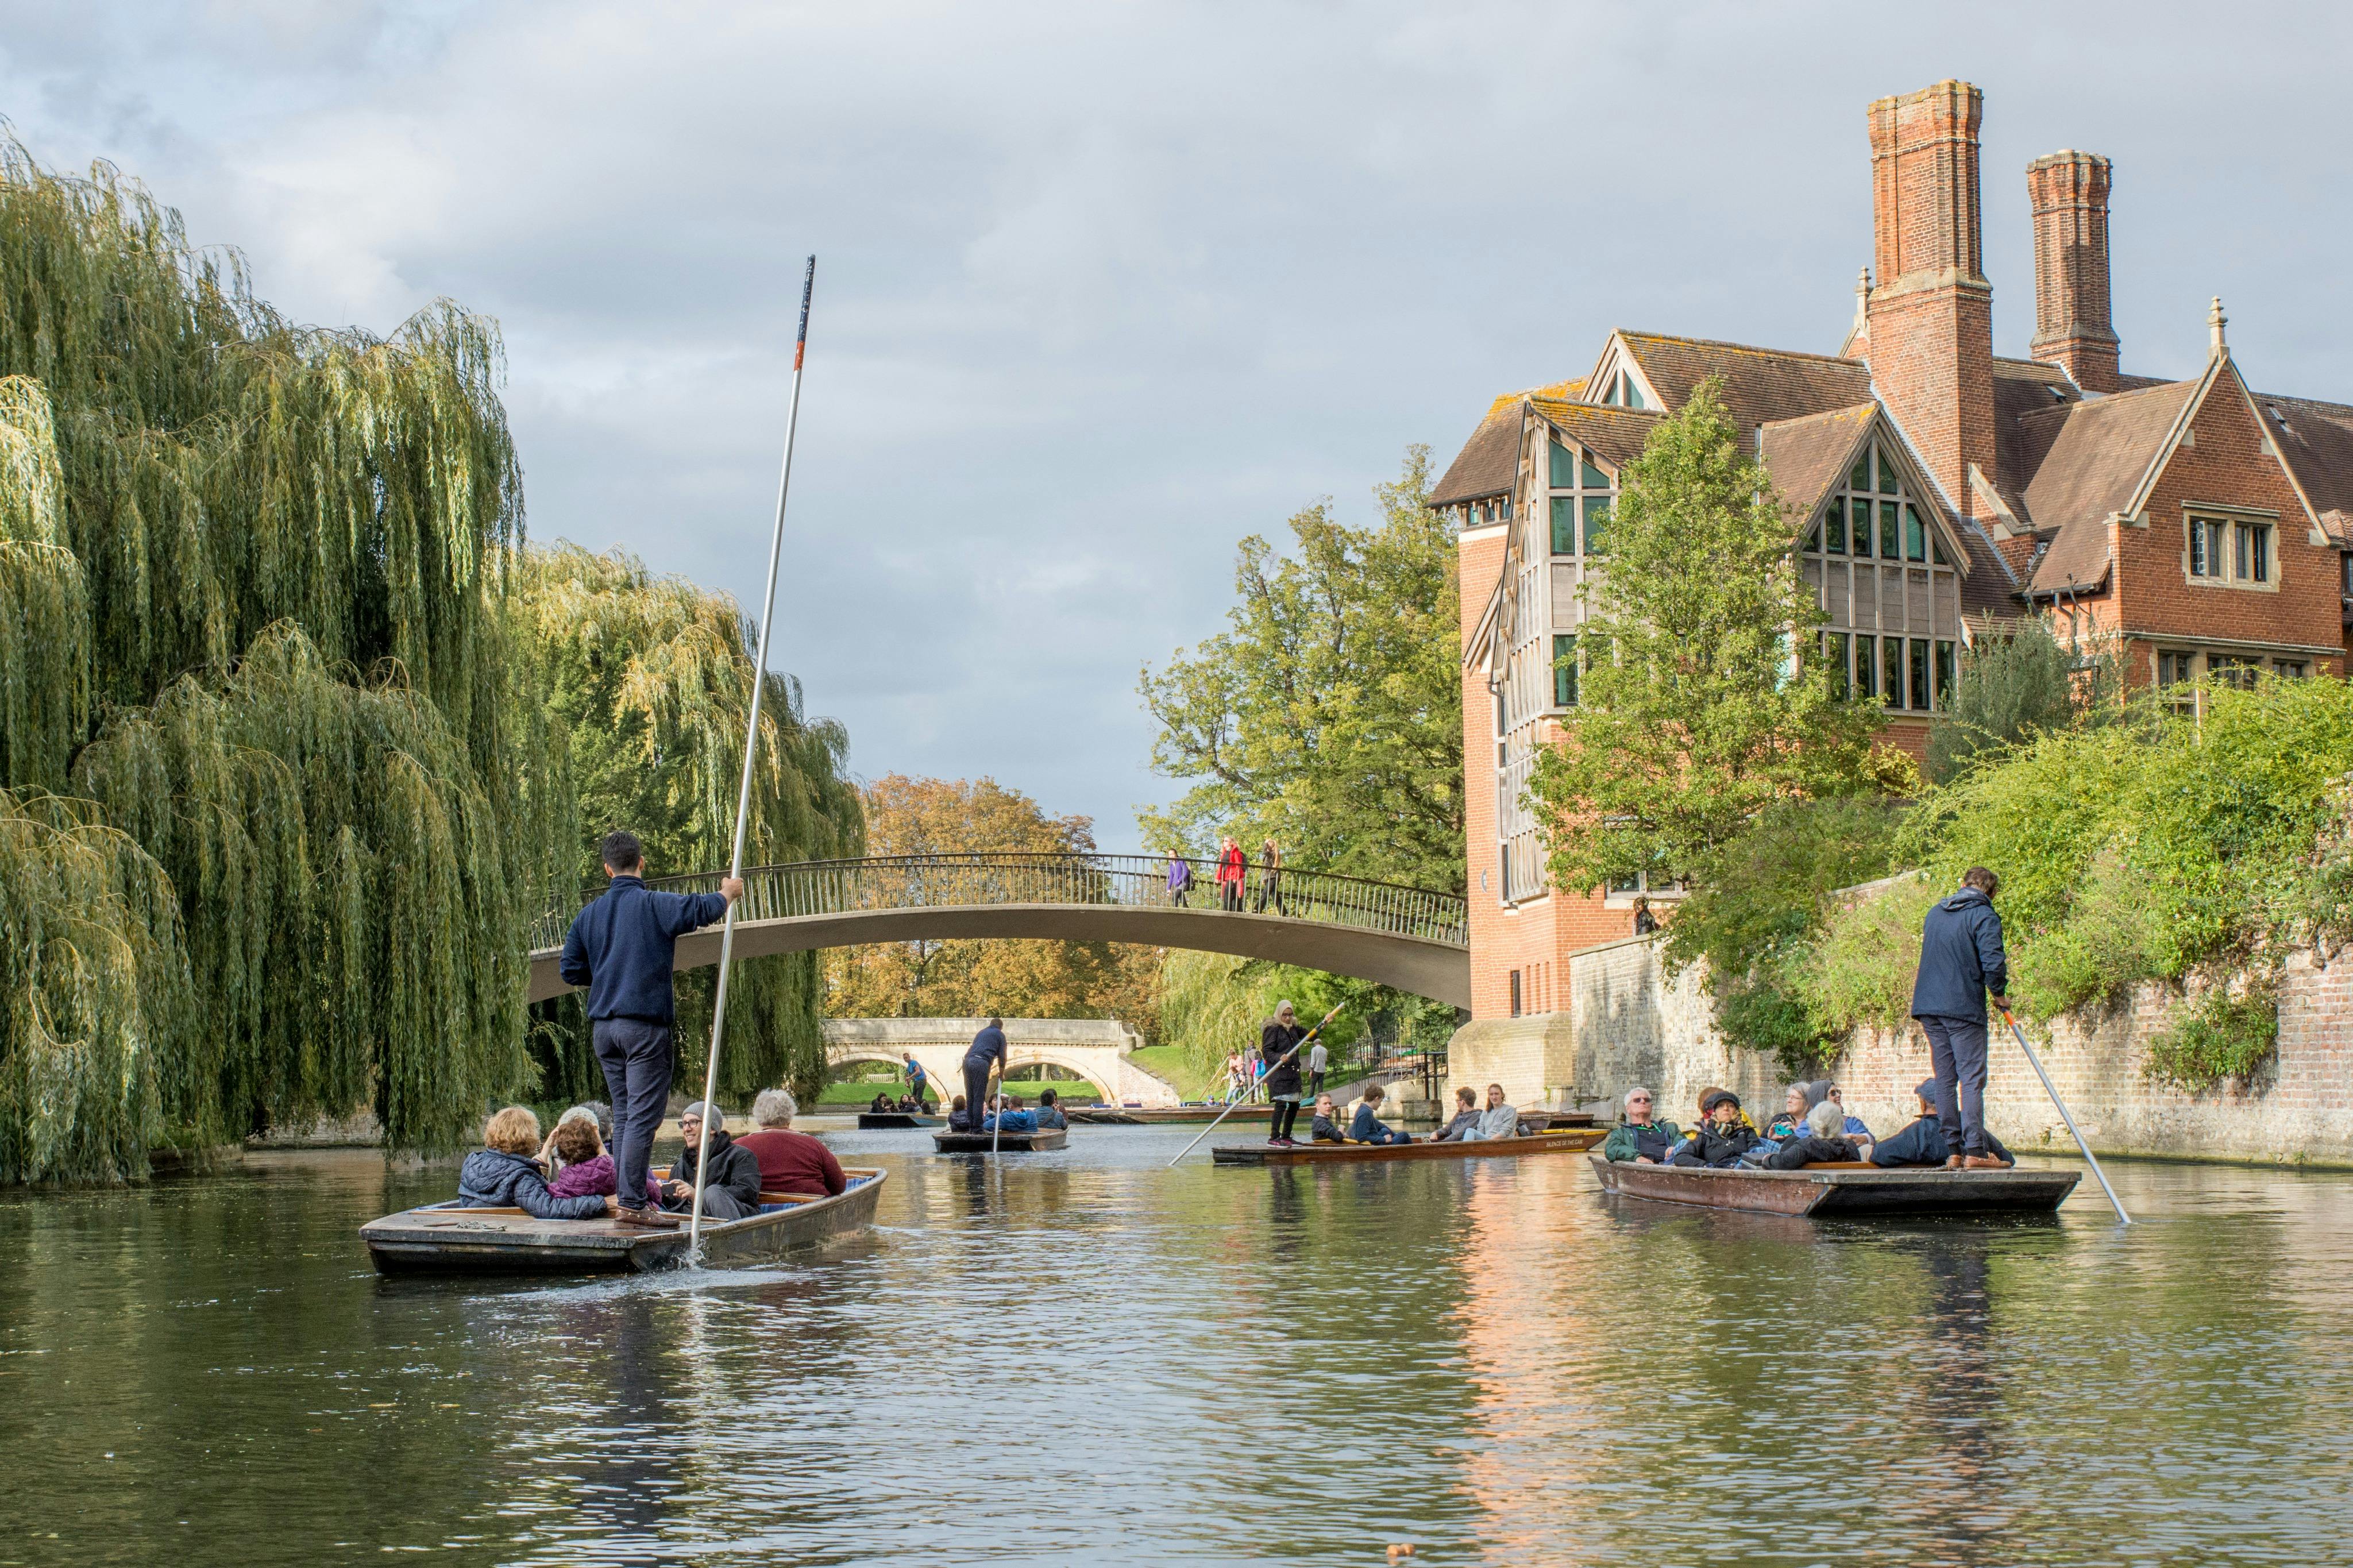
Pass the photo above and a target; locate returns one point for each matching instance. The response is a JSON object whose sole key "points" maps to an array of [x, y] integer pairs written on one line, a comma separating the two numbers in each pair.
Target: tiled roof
{"points": [[1807, 456], [1616, 434], [1488, 462], [1988, 588], [1761, 386], [2022, 387], [2085, 461], [2317, 439], [1557, 392], [2140, 383]]}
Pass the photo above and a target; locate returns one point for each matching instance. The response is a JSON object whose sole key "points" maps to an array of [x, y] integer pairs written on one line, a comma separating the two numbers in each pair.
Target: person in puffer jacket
{"points": [[1722, 1138], [502, 1173], [1821, 1142]]}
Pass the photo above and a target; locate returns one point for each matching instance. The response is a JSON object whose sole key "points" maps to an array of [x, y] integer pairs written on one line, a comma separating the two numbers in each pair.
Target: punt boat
{"points": [[1167, 1115], [1040, 1143], [1571, 1142], [869, 1120], [443, 1238], [1842, 1189]]}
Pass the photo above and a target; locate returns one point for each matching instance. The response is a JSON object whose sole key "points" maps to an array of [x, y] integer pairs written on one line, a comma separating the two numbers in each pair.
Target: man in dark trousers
{"points": [[620, 950], [987, 1046], [1278, 1050], [1961, 960]]}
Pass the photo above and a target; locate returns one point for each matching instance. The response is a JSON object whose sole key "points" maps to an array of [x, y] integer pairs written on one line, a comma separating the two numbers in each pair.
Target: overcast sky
{"points": [[1103, 288]]}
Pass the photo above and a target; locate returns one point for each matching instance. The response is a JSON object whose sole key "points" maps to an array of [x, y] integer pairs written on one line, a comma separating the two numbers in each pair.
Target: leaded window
{"points": [[1582, 498]]}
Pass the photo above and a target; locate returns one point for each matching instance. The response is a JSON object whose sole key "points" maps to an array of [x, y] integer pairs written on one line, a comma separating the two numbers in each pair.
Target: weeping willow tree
{"points": [[249, 585], [643, 684]]}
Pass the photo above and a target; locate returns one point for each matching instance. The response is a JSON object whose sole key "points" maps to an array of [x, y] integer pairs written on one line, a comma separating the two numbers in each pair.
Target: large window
{"points": [[1889, 586], [2228, 550], [1582, 501], [1564, 672], [1913, 673]]}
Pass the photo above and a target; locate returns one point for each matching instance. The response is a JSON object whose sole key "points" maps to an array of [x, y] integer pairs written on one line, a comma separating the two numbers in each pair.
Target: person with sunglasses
{"points": [[1641, 1137]]}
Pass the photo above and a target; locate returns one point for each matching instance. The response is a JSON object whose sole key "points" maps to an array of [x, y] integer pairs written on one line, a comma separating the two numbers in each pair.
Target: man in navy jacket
{"points": [[621, 949], [1961, 960]]}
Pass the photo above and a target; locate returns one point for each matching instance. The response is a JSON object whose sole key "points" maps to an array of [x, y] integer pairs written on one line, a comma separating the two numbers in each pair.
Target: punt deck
{"points": [[443, 1238], [1573, 1141], [1844, 1189], [871, 1120], [1043, 1142]]}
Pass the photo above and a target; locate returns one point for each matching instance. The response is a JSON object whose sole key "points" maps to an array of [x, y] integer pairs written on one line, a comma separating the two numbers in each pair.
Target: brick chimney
{"points": [[2072, 329], [1931, 317]]}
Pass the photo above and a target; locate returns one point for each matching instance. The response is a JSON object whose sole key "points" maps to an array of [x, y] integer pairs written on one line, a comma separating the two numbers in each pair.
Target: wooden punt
{"points": [[871, 1120], [1572, 1142], [1042, 1142], [442, 1238], [1844, 1189], [1167, 1115]]}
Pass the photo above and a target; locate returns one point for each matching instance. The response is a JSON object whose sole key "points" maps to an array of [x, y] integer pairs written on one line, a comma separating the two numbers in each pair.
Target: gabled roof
{"points": [[1807, 456], [2315, 439], [2088, 461], [1988, 588], [1556, 392], [1489, 463], [1615, 434], [1761, 386], [2022, 387]]}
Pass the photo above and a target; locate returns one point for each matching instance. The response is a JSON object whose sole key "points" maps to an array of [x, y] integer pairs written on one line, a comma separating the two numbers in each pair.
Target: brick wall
{"points": [[1626, 1024]]}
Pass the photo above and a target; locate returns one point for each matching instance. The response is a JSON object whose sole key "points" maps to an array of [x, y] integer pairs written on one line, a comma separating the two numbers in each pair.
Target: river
{"points": [[1085, 1357]]}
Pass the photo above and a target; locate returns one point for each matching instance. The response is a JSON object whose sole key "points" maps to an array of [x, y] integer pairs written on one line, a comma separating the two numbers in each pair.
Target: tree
{"points": [[922, 817], [2013, 687], [1695, 712], [1329, 716]]}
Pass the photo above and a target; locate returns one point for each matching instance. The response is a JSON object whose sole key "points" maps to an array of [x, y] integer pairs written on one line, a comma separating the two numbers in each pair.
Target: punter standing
{"points": [[621, 949], [915, 1077], [1961, 958], [987, 1046], [1278, 1048]]}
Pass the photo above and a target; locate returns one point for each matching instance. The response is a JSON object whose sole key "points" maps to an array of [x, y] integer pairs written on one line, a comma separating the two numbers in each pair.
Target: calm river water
{"points": [[1083, 1357]]}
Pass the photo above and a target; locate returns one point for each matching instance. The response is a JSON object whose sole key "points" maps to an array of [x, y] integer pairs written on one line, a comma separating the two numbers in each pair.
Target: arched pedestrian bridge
{"points": [[1409, 938]]}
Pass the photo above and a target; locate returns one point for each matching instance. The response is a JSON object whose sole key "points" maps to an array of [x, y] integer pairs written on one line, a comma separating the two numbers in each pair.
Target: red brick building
{"points": [[2198, 527]]}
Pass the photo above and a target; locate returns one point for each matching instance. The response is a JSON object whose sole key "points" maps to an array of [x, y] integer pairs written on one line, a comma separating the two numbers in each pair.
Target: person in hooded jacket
{"points": [[1961, 958], [1923, 1142], [502, 1173], [733, 1191], [1821, 1142], [1722, 1138], [1639, 1137], [1278, 1053], [1466, 1118]]}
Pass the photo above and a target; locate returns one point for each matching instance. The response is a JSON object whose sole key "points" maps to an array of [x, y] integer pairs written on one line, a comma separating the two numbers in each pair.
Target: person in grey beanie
{"points": [[734, 1189]]}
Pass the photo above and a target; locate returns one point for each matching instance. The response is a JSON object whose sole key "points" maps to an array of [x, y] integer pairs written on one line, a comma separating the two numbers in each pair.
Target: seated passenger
{"points": [[1854, 1125], [1009, 1118], [789, 1161], [551, 1159], [1821, 1142], [1792, 1120], [1326, 1127], [733, 1191], [1639, 1137], [586, 1169], [1466, 1117], [1499, 1119], [1708, 1093], [1049, 1111], [959, 1119], [1722, 1138], [881, 1104], [1924, 1144], [1367, 1128], [502, 1173]]}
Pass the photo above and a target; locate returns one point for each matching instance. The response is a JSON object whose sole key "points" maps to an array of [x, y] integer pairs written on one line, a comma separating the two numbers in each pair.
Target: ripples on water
{"points": [[1084, 1357]]}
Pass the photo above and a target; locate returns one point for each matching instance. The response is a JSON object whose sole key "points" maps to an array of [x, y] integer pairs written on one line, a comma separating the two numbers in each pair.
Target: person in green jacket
{"points": [[1638, 1137]]}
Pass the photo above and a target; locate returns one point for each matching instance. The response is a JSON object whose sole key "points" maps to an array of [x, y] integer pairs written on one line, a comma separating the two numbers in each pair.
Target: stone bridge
{"points": [[1096, 1050], [1409, 938]]}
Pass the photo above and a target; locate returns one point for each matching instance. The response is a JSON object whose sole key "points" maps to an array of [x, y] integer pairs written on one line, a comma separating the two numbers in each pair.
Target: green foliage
{"points": [[1329, 717], [2222, 1036], [44, 600], [2012, 687], [642, 686], [1859, 972], [1211, 1005], [1700, 718], [99, 1033]]}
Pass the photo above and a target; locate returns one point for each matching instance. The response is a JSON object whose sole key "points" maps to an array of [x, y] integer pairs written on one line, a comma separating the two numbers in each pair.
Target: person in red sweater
{"points": [[790, 1162]]}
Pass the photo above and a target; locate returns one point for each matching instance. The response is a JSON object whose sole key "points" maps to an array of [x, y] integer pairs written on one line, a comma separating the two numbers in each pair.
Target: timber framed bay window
{"points": [[2231, 549], [1877, 561], [1582, 499]]}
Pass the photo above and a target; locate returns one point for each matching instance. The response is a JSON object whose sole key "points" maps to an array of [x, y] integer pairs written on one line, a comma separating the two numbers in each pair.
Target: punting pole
{"points": [[2036, 1062], [1228, 1111], [751, 748], [997, 1133]]}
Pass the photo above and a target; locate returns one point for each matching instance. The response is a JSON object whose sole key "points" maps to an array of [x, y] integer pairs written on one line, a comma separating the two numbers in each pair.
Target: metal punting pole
{"points": [[743, 794], [2036, 1062], [1228, 1111]]}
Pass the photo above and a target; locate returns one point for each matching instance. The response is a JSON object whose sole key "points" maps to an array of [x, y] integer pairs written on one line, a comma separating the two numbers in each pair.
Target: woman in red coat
{"points": [[1231, 868]]}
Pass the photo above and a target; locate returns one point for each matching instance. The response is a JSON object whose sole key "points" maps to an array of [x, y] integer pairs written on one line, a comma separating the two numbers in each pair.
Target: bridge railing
{"points": [[1141, 881]]}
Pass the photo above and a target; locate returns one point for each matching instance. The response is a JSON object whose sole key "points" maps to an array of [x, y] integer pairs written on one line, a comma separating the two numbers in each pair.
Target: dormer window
{"points": [[1623, 392]]}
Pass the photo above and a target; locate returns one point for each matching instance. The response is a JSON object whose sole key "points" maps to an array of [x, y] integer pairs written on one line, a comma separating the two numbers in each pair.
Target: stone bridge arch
{"points": [[1096, 1050]]}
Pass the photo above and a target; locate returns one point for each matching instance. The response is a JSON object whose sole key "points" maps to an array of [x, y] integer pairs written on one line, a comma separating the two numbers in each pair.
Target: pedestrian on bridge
{"points": [[621, 949], [1180, 878], [1270, 886], [1233, 868], [987, 1049]]}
